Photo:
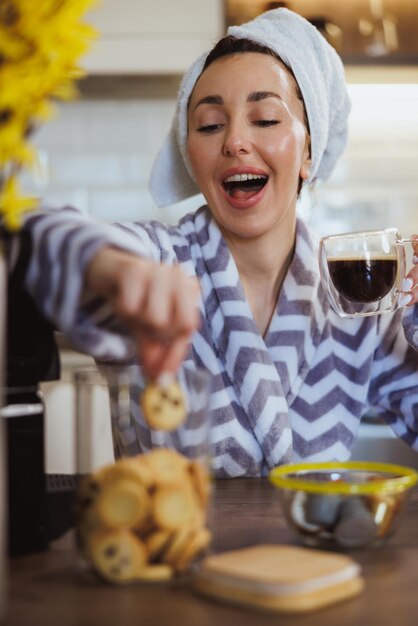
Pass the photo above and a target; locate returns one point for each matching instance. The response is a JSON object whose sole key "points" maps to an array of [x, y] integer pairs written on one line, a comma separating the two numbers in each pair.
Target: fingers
{"points": [[169, 320], [409, 295], [415, 246], [131, 290], [185, 320], [186, 313], [160, 358], [170, 307], [158, 303]]}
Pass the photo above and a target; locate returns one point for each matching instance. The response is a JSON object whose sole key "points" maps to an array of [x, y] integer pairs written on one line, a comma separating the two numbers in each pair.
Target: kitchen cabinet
{"points": [[152, 36], [362, 31]]}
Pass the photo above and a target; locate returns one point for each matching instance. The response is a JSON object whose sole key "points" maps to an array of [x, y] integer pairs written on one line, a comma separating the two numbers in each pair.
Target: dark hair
{"points": [[233, 45]]}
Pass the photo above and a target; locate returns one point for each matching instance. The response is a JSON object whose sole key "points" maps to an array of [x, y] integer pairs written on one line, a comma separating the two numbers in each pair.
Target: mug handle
{"points": [[400, 243]]}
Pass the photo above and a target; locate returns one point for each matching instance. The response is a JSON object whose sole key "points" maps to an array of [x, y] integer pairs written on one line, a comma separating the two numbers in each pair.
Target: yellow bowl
{"points": [[347, 505]]}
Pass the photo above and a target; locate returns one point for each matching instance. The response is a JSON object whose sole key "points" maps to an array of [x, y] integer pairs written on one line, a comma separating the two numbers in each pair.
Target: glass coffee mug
{"points": [[363, 272]]}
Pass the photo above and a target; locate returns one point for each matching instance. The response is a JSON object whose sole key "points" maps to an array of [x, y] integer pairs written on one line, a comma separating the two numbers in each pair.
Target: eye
{"points": [[266, 123], [209, 128]]}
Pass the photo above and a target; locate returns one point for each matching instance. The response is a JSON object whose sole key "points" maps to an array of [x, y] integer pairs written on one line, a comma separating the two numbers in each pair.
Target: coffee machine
{"points": [[32, 357]]}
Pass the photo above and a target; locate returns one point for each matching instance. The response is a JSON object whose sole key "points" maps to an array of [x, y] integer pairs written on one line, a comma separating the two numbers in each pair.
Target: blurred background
{"points": [[97, 153]]}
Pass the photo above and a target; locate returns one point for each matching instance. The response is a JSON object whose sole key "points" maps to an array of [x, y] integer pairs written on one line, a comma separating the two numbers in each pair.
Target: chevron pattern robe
{"points": [[297, 394]]}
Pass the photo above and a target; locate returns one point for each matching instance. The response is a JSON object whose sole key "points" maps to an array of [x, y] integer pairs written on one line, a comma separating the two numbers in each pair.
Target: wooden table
{"points": [[44, 589]]}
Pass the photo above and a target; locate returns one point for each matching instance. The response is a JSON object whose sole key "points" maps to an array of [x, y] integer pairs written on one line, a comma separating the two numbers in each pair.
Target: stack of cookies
{"points": [[143, 518]]}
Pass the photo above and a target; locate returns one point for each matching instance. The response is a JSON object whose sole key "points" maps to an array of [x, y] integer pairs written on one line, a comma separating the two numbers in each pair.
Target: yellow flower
{"points": [[13, 146], [13, 204], [40, 43]]}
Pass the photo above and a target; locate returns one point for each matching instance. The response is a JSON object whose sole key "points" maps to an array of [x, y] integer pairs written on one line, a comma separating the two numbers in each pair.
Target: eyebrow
{"points": [[254, 96], [210, 100]]}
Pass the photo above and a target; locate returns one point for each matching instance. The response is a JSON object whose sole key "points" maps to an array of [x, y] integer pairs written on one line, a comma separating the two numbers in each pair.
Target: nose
{"points": [[236, 141]]}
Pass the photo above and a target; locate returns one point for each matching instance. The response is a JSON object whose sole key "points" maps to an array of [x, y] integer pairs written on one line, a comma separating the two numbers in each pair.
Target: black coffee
{"points": [[363, 280]]}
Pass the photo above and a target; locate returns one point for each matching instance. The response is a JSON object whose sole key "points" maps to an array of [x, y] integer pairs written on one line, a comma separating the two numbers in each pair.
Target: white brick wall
{"points": [[97, 154], [375, 184]]}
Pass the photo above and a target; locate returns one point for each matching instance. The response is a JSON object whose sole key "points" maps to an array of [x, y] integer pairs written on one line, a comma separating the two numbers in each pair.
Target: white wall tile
{"points": [[77, 197], [67, 129], [122, 205], [116, 124], [88, 169], [138, 168]]}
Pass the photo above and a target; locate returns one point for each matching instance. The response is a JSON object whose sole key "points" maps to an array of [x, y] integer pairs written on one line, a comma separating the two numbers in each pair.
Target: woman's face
{"points": [[247, 143]]}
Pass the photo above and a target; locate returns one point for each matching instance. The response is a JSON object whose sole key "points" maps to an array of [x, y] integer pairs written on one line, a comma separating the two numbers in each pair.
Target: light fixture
{"points": [[380, 31]]}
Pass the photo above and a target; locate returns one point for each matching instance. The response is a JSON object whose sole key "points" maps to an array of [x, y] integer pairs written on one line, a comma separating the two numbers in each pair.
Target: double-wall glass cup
{"points": [[144, 473], [363, 272]]}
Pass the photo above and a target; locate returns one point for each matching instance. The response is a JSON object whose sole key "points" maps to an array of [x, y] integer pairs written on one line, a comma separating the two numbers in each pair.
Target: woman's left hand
{"points": [[410, 283]]}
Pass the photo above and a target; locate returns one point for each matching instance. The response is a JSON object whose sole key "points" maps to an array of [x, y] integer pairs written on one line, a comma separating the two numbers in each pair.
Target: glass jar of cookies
{"points": [[142, 501]]}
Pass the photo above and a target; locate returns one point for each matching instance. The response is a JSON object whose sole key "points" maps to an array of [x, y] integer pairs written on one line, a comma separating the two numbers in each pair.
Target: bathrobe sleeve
{"points": [[63, 243], [393, 389], [410, 324]]}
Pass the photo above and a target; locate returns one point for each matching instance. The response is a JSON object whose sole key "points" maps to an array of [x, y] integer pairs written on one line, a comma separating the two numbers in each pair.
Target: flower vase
{"points": [[3, 499]]}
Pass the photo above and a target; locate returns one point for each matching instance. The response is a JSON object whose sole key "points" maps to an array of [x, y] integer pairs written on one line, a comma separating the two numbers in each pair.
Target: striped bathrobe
{"points": [[296, 394]]}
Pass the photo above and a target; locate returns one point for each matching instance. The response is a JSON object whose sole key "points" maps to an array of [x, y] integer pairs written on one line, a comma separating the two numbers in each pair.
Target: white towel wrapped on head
{"points": [[319, 72]]}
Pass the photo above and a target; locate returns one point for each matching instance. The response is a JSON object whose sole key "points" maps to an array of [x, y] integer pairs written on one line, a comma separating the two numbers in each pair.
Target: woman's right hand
{"points": [[158, 303]]}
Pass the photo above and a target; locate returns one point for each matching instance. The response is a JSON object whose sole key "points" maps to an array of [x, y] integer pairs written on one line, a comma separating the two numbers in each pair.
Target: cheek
{"points": [[287, 150], [193, 154], [203, 160], [191, 149], [194, 150]]}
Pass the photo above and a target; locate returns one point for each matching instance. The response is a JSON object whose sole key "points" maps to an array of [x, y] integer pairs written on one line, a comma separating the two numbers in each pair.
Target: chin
{"points": [[251, 229]]}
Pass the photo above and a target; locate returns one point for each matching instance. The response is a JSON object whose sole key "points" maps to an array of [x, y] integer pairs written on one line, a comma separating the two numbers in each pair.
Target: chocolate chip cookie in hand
{"points": [[163, 405]]}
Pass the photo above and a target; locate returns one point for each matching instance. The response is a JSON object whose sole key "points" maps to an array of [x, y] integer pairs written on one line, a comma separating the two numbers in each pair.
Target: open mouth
{"points": [[244, 186]]}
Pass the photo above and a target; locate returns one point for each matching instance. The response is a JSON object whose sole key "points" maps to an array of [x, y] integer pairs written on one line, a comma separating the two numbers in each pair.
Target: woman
{"points": [[291, 380]]}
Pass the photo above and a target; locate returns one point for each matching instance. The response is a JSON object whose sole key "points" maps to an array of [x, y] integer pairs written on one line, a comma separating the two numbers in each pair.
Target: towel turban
{"points": [[319, 72]]}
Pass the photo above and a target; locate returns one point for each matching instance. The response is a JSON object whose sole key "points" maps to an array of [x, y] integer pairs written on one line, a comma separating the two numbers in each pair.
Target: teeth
{"points": [[236, 178]]}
